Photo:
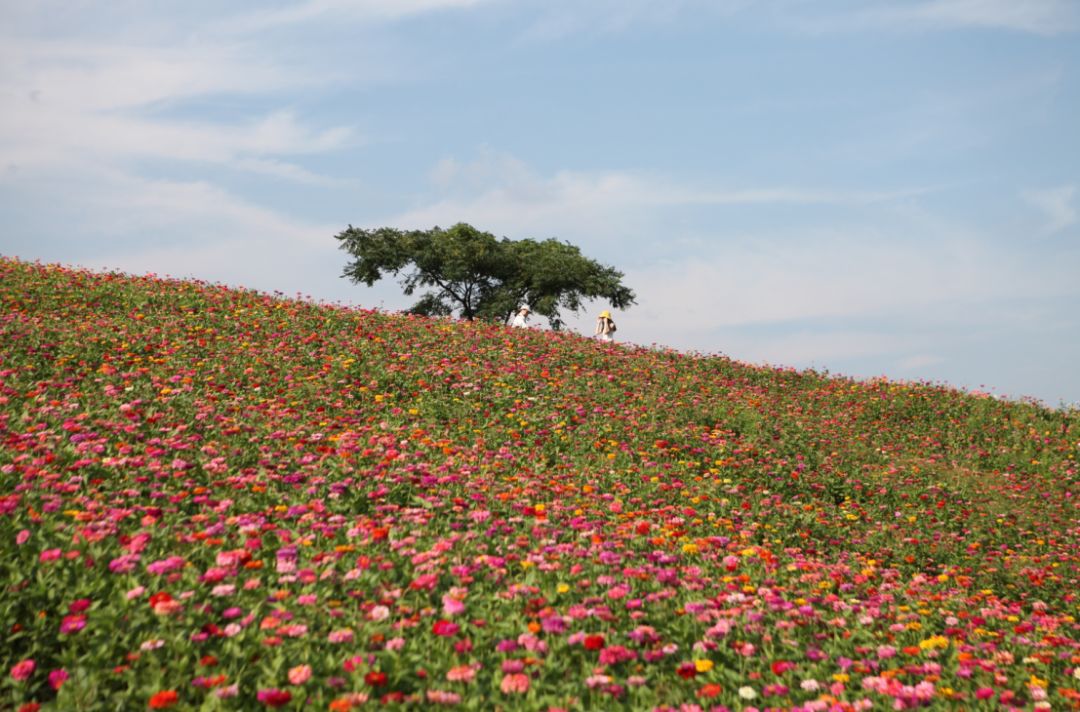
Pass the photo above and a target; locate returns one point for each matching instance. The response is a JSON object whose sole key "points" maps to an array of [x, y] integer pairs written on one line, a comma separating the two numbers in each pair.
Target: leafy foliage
{"points": [[479, 275], [215, 499]]}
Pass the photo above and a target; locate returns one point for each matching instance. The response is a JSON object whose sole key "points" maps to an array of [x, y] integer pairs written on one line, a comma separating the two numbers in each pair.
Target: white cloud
{"points": [[559, 18], [352, 10], [78, 102], [1043, 17], [1058, 206], [1046, 17]]}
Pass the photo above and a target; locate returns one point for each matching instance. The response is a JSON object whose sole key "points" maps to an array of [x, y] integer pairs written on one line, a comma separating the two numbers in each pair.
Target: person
{"points": [[521, 317], [605, 327]]}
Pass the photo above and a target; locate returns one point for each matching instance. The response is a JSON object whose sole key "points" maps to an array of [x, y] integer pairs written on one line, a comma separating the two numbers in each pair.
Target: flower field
{"points": [[221, 499]]}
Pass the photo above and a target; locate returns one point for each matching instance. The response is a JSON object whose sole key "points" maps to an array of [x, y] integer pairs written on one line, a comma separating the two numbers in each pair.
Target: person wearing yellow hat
{"points": [[605, 327]]}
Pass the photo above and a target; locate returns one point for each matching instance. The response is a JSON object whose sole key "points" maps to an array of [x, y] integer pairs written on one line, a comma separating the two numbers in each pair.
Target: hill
{"points": [[219, 499]]}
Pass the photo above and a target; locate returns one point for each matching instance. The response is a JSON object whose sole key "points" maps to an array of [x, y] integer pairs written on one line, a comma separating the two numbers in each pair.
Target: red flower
{"points": [[274, 697], [779, 667], [687, 670], [164, 699], [375, 678], [445, 628], [160, 597], [594, 642]]}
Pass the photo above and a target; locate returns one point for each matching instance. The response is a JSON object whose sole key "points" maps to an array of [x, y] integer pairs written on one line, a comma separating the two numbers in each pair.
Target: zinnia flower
{"points": [[22, 670], [72, 623], [274, 697], [299, 674], [163, 700], [515, 683], [57, 678], [445, 628], [594, 642]]}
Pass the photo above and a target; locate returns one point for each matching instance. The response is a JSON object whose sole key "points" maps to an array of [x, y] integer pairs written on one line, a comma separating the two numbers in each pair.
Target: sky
{"points": [[864, 187]]}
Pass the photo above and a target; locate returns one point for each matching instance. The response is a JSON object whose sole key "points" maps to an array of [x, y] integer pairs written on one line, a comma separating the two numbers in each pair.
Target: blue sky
{"points": [[873, 188]]}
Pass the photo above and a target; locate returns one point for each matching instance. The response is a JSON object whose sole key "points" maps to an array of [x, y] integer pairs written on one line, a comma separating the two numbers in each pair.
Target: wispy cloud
{"points": [[1058, 206], [357, 11], [556, 19], [501, 192], [75, 101], [1042, 17]]}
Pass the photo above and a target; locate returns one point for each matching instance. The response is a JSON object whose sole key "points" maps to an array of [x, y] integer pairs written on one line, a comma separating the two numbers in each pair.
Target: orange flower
{"points": [[709, 691]]}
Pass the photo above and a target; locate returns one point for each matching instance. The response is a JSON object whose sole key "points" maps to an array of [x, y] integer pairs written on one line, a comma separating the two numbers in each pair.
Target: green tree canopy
{"points": [[481, 276]]}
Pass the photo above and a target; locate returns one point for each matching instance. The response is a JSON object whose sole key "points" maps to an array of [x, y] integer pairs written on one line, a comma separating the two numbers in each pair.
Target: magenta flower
{"points": [[445, 628], [72, 623], [57, 678]]}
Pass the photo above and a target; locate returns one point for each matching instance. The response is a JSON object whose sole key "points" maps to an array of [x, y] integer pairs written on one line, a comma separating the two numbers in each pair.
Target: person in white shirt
{"points": [[521, 317]]}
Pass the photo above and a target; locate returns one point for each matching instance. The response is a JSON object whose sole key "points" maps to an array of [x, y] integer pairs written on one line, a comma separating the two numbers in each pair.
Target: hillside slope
{"points": [[223, 499]]}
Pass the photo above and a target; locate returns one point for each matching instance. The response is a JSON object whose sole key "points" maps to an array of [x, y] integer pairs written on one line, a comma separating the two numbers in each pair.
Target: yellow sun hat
{"points": [[605, 314]]}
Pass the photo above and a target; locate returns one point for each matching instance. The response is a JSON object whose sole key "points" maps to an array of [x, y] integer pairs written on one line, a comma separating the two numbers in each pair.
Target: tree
{"points": [[480, 276]]}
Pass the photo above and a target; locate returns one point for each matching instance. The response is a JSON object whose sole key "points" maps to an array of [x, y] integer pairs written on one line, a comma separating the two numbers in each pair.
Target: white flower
{"points": [[747, 693]]}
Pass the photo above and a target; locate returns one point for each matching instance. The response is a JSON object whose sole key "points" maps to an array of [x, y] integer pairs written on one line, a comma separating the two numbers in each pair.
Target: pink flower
{"points": [[515, 683], [22, 536], [614, 654], [461, 673], [299, 674], [344, 635], [425, 581], [166, 565], [22, 670], [452, 606], [442, 697], [124, 564], [984, 693]]}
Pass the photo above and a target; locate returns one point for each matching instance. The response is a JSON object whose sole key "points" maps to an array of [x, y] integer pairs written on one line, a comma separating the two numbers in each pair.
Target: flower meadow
{"points": [[222, 499]]}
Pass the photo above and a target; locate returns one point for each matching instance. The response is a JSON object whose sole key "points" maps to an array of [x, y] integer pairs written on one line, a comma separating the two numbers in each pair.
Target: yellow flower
{"points": [[934, 641], [703, 665]]}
